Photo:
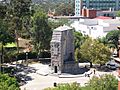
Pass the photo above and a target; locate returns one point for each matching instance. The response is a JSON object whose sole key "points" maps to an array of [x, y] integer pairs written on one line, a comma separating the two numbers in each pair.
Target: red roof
{"points": [[103, 17]]}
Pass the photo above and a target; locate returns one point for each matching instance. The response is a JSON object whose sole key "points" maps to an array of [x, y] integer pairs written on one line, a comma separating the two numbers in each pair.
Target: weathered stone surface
{"points": [[62, 50]]}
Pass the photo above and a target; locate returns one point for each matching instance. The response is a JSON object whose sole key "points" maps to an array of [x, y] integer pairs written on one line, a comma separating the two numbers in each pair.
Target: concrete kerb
{"points": [[71, 76]]}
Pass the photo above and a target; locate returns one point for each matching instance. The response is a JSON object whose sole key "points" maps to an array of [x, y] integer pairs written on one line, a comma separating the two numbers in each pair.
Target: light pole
{"points": [[119, 78], [26, 57], [0, 60]]}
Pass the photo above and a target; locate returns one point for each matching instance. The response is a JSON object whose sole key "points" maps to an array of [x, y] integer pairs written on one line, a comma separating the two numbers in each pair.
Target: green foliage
{"points": [[41, 33], [64, 9], [8, 83], [79, 39], [5, 36], [56, 23], [72, 86], [118, 13], [60, 7], [77, 54], [21, 8], [112, 38], [3, 10], [94, 51], [104, 82], [103, 40], [9, 55]]}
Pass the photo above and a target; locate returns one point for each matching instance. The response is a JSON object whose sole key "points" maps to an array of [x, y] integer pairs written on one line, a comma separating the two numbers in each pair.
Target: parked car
{"points": [[112, 65]]}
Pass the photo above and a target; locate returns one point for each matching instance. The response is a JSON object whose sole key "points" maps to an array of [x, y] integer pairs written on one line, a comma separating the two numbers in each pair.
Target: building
{"points": [[78, 7], [92, 13], [89, 13], [96, 28], [62, 50], [96, 4]]}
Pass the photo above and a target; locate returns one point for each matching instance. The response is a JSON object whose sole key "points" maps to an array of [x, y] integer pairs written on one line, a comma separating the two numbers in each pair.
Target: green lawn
{"points": [[10, 45]]}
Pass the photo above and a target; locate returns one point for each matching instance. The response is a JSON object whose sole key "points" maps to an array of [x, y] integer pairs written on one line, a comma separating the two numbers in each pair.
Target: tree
{"points": [[94, 51], [112, 38], [79, 39], [104, 82], [64, 9], [118, 13], [103, 40], [77, 54], [5, 37], [41, 33], [19, 14]]}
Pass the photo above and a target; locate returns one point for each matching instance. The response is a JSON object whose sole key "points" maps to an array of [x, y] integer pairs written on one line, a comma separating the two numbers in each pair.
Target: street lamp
{"points": [[0, 61], [26, 57], [119, 78]]}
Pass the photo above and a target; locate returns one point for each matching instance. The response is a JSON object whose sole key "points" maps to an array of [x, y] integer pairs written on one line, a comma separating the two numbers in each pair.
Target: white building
{"points": [[96, 27]]}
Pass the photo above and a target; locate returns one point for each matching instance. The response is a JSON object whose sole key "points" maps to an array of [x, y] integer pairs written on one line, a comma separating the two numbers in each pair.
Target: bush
{"points": [[72, 86], [104, 82], [8, 83]]}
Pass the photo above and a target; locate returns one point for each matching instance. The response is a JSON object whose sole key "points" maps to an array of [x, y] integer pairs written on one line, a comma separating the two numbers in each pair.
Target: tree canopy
{"points": [[112, 38], [94, 51], [41, 32], [5, 35]]}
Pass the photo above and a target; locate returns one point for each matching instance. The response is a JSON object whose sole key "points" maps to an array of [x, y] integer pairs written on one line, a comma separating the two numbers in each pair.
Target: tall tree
{"points": [[5, 34], [20, 16], [95, 52], [5, 37], [79, 39], [41, 32]]}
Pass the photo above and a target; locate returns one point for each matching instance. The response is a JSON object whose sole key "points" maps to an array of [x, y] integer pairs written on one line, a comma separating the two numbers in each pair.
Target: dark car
{"points": [[112, 65]]}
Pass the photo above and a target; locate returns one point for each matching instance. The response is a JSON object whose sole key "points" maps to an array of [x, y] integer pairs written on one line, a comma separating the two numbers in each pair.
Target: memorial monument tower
{"points": [[62, 50]]}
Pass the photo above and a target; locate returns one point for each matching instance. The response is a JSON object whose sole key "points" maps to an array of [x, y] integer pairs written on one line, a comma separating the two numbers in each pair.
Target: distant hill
{"points": [[52, 1]]}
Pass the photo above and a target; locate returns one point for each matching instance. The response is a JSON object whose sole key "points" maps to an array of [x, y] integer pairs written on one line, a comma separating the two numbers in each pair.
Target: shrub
{"points": [[72, 86], [8, 83]]}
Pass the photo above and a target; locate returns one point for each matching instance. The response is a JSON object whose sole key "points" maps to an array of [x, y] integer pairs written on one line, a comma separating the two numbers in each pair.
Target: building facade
{"points": [[78, 7], [96, 28], [96, 4]]}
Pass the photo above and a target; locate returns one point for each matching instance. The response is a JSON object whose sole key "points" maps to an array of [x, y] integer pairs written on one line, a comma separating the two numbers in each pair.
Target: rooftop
{"points": [[103, 17], [63, 28]]}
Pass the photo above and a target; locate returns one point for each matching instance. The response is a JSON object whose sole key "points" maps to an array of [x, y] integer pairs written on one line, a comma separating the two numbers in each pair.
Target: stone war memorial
{"points": [[62, 51]]}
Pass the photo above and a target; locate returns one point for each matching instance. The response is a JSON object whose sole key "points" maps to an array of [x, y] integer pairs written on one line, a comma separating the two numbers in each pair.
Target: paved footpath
{"points": [[40, 82]]}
